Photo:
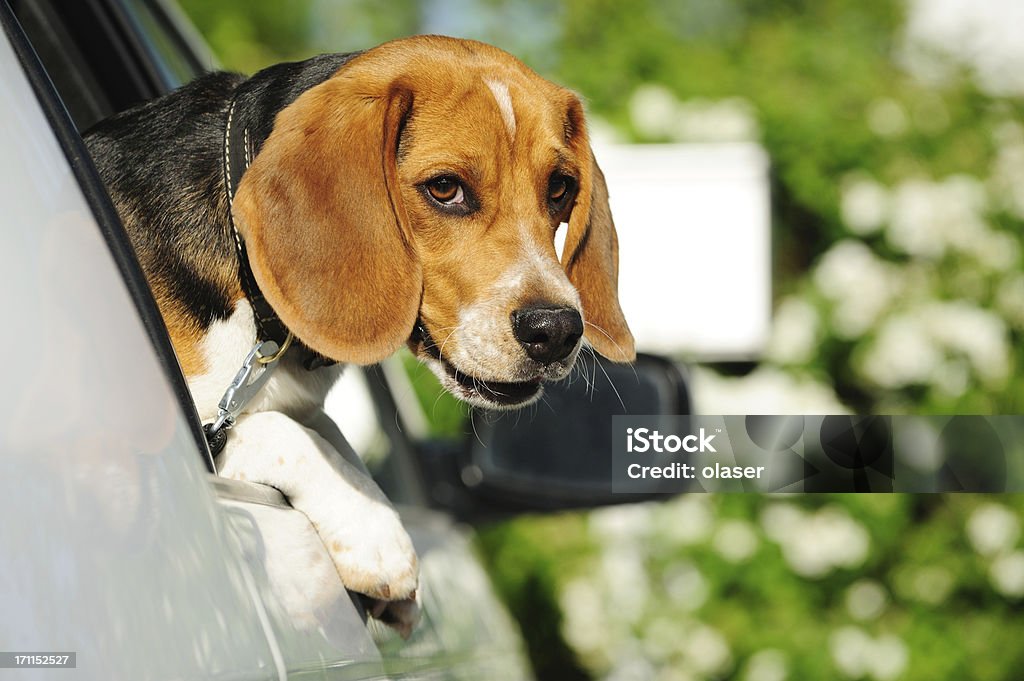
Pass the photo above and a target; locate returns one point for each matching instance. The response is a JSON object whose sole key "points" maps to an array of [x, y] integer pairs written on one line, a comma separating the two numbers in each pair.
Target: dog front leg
{"points": [[360, 529]]}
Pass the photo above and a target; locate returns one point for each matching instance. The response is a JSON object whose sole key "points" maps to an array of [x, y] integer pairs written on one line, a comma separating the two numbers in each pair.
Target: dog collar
{"points": [[239, 151]]}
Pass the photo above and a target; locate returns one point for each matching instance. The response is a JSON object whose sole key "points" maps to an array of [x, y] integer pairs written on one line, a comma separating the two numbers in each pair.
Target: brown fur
{"points": [[349, 252], [186, 337]]}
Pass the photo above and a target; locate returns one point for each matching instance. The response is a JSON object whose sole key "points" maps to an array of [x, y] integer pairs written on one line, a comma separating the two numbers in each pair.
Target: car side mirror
{"points": [[558, 453]]}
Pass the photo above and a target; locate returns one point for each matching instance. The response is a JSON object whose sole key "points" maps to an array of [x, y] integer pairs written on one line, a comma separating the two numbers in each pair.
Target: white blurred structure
{"points": [[694, 226]]}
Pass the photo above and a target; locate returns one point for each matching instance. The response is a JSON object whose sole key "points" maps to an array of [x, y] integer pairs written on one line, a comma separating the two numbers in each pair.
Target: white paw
{"points": [[360, 529], [375, 557], [372, 551]]}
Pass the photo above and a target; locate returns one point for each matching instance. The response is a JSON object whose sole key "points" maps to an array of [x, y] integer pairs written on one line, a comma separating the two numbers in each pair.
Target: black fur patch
{"points": [[162, 163]]}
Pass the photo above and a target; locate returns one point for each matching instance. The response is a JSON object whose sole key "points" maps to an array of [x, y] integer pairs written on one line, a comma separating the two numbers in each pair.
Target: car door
{"points": [[113, 547]]}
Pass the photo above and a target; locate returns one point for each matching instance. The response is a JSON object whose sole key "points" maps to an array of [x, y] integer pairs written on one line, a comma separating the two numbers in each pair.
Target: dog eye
{"points": [[446, 190], [559, 188]]}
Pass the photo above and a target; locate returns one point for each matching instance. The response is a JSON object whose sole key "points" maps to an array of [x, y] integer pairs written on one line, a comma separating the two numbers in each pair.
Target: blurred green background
{"points": [[897, 154]]}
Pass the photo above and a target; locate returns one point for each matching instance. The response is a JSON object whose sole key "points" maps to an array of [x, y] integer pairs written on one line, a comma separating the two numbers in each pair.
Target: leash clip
{"points": [[254, 373]]}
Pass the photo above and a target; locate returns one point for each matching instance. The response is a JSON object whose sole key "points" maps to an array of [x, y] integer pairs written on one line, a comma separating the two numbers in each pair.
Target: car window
{"points": [[67, 67], [91, 187], [362, 406], [171, 53], [104, 57]]}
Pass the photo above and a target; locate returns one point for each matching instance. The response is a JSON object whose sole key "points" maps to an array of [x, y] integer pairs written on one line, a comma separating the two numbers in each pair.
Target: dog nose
{"points": [[548, 334]]}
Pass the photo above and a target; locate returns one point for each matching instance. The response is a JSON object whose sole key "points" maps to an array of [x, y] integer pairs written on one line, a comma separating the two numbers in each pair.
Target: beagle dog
{"points": [[409, 194]]}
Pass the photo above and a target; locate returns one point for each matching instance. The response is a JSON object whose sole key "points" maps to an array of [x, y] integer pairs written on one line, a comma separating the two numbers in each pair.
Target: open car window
{"points": [[94, 56], [106, 218]]}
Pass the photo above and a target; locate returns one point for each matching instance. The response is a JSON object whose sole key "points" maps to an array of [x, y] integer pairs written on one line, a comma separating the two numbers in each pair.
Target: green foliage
{"points": [[446, 416], [247, 36], [525, 557]]}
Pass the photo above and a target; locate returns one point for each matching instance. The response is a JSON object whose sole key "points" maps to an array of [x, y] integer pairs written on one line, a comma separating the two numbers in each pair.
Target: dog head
{"points": [[414, 197]]}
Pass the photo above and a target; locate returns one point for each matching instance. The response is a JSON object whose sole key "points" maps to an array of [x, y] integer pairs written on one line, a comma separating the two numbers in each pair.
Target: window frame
{"points": [[113, 232]]}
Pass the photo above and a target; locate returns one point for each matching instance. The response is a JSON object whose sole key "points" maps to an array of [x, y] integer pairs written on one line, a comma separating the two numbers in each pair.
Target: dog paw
{"points": [[360, 529], [374, 556]]}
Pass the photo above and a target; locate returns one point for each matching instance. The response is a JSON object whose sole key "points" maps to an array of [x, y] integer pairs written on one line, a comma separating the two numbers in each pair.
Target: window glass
{"points": [[170, 54]]}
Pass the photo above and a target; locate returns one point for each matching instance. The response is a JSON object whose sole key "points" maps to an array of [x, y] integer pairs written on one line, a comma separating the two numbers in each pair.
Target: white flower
{"points": [[815, 544], [983, 36], [684, 521], [863, 204], [851, 650], [887, 118], [657, 113], [917, 440], [1010, 299], [977, 333], [830, 540], [781, 521], [865, 600], [889, 658], [685, 586], [707, 651], [654, 110], [931, 584], [861, 285], [625, 582], [996, 251], [631, 668], [794, 332], [663, 636], [767, 665], [584, 624], [727, 120], [625, 523], [913, 347], [735, 541], [1007, 574], [672, 674], [929, 218], [993, 529], [856, 654], [901, 354], [766, 390]]}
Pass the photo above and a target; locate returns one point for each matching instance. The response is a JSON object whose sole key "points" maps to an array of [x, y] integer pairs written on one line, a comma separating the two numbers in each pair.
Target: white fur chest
{"points": [[292, 389]]}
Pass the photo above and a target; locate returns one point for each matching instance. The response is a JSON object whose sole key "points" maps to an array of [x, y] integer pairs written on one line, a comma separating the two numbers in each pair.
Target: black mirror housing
{"points": [[556, 454]]}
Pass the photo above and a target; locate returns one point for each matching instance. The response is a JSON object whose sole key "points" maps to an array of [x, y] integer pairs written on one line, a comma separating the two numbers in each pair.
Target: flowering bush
{"points": [[899, 194], [770, 588]]}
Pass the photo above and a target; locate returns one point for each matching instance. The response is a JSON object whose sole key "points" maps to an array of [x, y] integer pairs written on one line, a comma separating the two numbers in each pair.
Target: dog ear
{"points": [[591, 254], [321, 213]]}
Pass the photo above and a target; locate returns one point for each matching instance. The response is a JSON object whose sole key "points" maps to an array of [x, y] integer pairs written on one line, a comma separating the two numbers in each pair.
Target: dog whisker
{"points": [[612, 384], [593, 373], [588, 377], [546, 403], [454, 330], [605, 334], [476, 434]]}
